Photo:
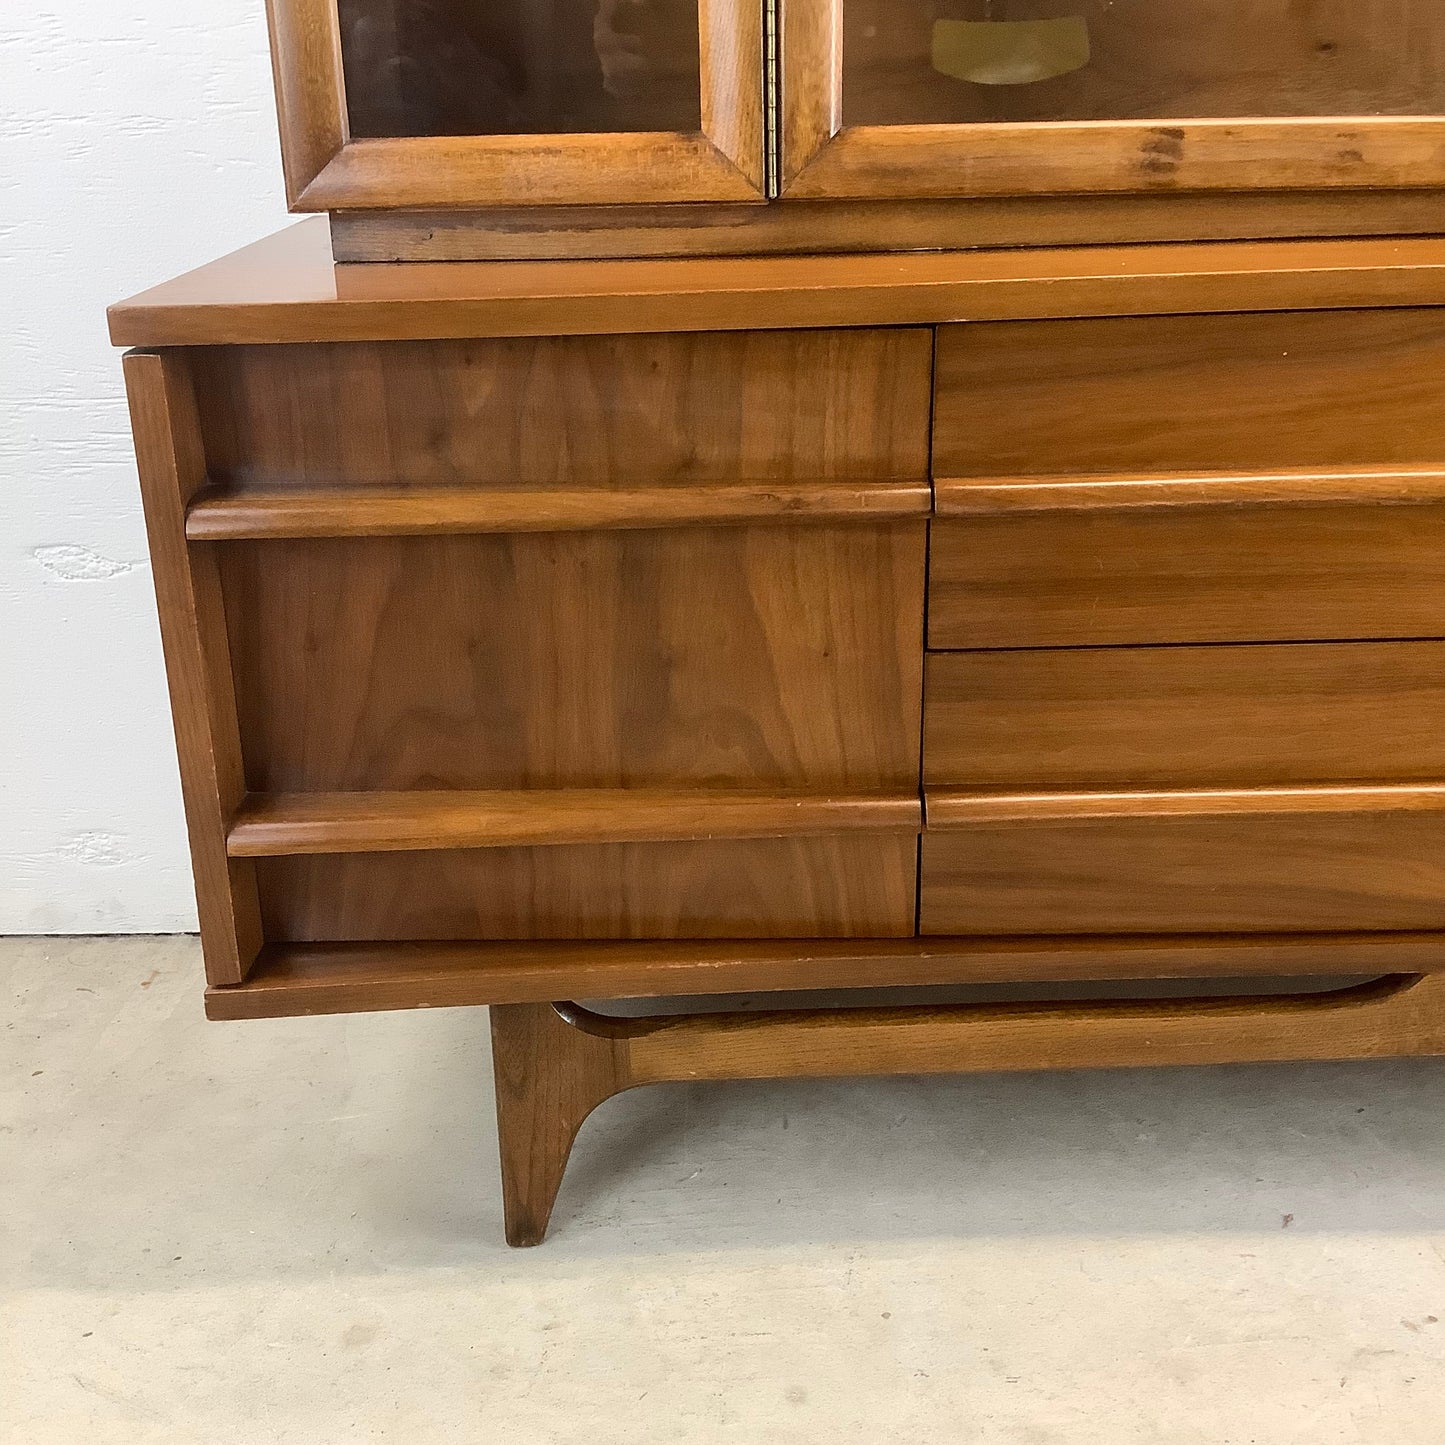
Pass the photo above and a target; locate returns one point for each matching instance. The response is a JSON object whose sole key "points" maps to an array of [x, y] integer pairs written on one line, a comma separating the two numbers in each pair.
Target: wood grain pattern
{"points": [[1234, 871], [572, 413], [1002, 159], [1250, 393], [773, 658], [1184, 717], [747, 657], [484, 170], [330, 978], [286, 289], [836, 886], [811, 70], [546, 1085], [1197, 574], [193, 633], [1350, 1022], [597, 232], [554, 1063], [268, 825], [758, 658], [378, 510], [310, 103], [730, 37]]}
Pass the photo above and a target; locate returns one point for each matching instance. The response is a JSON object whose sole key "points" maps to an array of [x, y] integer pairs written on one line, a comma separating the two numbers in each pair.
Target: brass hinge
{"points": [[772, 106]]}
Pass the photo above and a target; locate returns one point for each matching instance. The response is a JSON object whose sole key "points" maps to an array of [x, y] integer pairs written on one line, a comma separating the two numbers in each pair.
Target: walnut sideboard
{"points": [[542, 631]]}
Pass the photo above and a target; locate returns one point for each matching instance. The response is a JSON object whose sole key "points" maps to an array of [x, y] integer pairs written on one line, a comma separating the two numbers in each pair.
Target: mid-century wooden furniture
{"points": [[541, 631], [466, 129]]}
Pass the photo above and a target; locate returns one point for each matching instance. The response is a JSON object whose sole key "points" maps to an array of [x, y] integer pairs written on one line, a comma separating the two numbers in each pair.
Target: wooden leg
{"points": [[555, 1063], [549, 1077]]}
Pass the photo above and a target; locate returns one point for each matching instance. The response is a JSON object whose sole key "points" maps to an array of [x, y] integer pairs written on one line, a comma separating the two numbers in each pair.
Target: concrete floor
{"points": [[240, 1234]]}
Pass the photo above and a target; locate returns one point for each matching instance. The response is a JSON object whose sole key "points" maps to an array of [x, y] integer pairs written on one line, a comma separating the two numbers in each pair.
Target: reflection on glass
{"points": [[951, 61], [520, 67]]}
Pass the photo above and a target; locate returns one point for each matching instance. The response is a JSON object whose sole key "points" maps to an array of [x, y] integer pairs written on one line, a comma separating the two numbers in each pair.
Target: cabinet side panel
{"points": [[172, 468]]}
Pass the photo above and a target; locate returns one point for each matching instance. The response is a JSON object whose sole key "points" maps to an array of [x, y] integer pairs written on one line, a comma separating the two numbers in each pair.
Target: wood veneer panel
{"points": [[571, 413], [837, 886], [288, 823], [477, 170], [807, 228], [1253, 871], [1169, 394], [745, 657], [310, 104], [1181, 717], [349, 977], [1194, 574], [286, 288], [890, 162], [172, 468]]}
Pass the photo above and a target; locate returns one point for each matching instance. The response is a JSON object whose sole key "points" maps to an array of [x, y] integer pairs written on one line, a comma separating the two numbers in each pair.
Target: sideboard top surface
{"points": [[286, 288]]}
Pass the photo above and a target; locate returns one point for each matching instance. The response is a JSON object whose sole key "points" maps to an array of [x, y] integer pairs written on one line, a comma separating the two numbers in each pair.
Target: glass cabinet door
{"points": [[998, 97], [486, 103]]}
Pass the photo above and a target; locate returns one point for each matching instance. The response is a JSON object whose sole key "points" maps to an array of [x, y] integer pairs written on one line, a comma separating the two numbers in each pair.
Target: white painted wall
{"points": [[137, 139]]}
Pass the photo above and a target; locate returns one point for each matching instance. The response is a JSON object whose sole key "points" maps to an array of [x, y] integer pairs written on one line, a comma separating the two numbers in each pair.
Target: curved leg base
{"points": [[555, 1062]]}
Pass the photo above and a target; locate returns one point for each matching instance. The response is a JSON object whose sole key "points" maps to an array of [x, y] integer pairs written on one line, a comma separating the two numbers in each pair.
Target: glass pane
{"points": [[948, 61], [520, 67]]}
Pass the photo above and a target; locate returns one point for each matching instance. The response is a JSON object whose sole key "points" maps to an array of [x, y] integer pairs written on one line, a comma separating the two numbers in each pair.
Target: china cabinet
{"points": [[445, 129], [885, 493]]}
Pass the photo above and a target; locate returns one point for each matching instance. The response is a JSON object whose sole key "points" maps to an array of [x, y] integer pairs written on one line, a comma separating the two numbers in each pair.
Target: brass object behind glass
{"points": [[1010, 52]]}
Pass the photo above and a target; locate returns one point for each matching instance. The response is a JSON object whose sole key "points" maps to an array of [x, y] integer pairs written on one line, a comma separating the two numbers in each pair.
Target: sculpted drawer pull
{"points": [[282, 824], [958, 809], [219, 514], [984, 496]]}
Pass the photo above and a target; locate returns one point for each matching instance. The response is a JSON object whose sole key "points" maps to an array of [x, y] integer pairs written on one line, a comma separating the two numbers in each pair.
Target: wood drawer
{"points": [[1252, 391], [467, 672], [569, 413], [1254, 477], [1304, 863], [740, 656], [1185, 717], [1187, 574], [860, 885]]}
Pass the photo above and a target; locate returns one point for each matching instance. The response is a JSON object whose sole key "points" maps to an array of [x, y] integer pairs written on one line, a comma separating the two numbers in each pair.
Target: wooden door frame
{"points": [[327, 169], [822, 159]]}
